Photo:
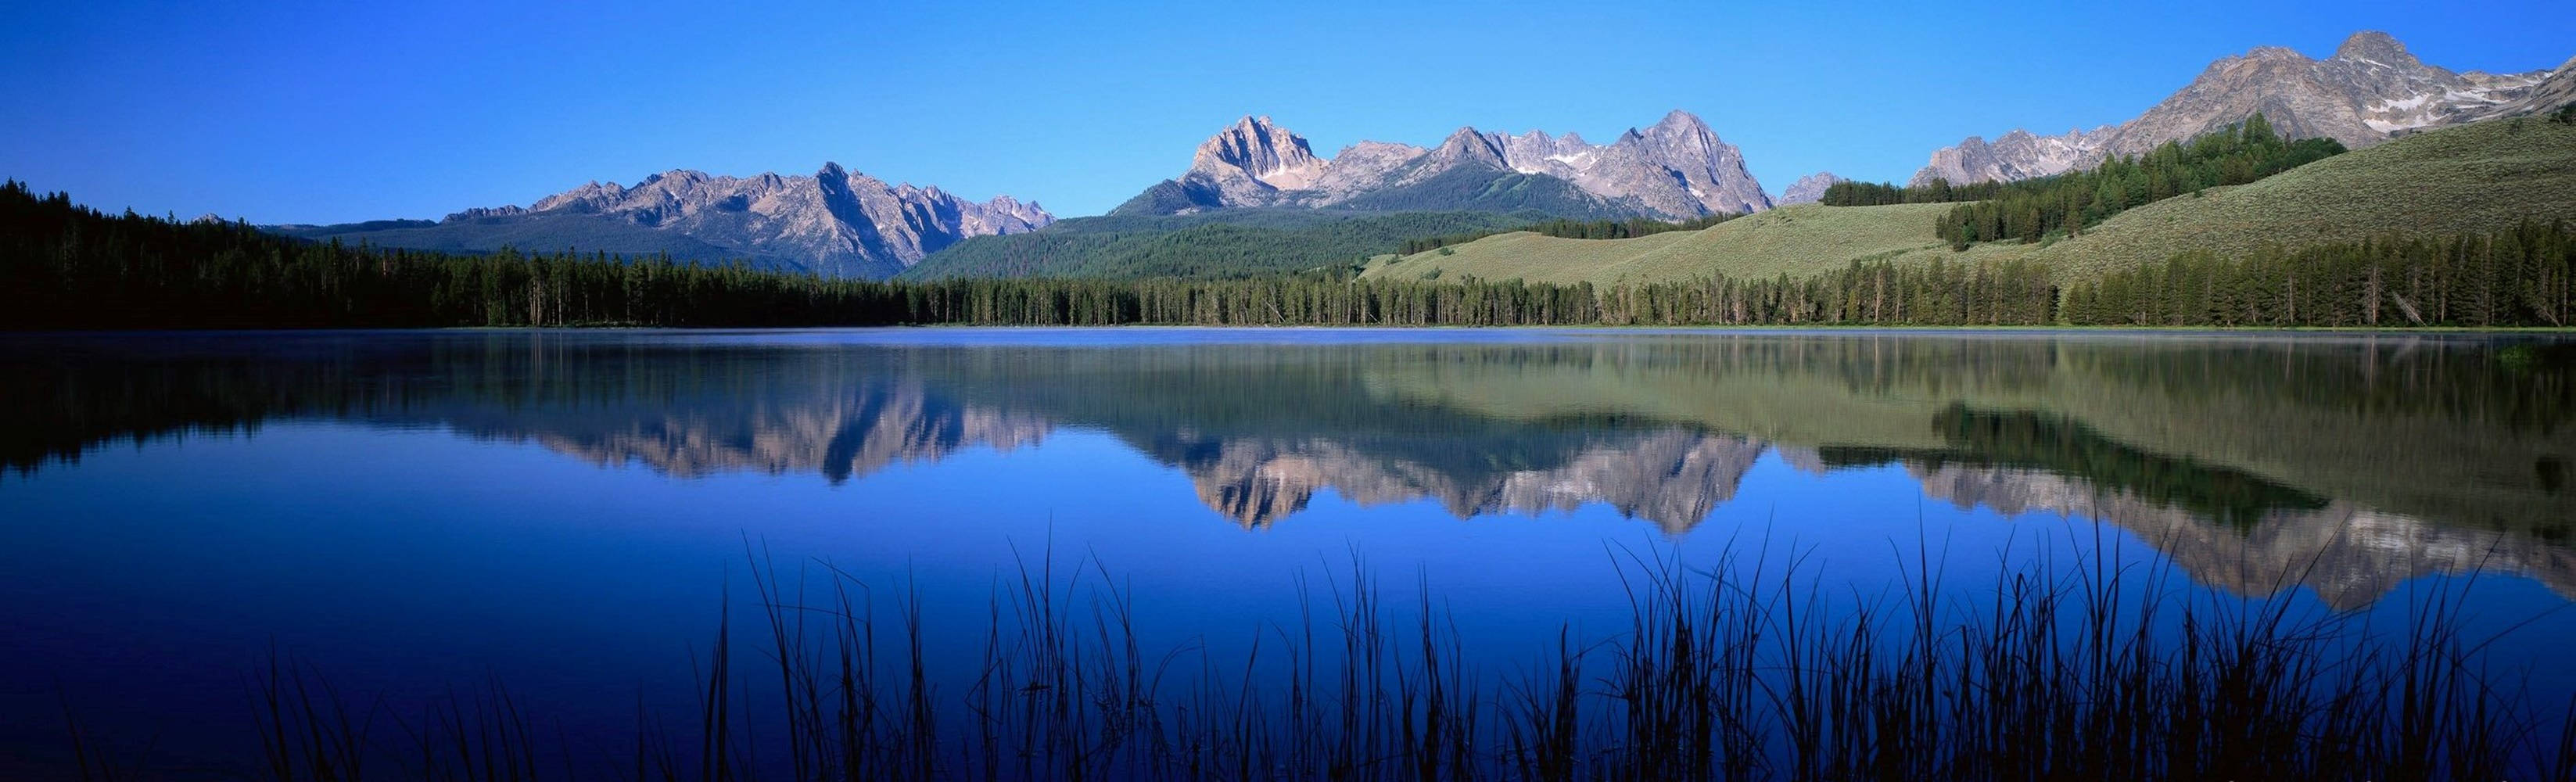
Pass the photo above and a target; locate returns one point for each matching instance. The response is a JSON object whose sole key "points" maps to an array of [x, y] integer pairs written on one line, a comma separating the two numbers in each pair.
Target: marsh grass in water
{"points": [[2071, 666]]}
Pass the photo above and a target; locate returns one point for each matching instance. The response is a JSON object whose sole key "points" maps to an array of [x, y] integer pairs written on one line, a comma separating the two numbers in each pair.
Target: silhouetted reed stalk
{"points": [[1748, 668]]}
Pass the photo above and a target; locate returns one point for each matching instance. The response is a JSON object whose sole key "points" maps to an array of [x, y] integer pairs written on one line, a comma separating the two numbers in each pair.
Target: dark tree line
{"points": [[1937, 191], [1247, 243], [1574, 229], [66, 266], [2525, 276], [2030, 209], [1875, 293]]}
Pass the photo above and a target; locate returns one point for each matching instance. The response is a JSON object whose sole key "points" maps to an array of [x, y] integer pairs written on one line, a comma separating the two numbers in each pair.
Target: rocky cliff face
{"points": [[1678, 168], [2371, 90], [2014, 156], [1808, 189], [1253, 160]]}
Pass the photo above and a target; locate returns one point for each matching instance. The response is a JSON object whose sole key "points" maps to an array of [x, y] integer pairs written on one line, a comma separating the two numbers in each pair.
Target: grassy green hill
{"points": [[2470, 179], [1798, 240], [1232, 243]]}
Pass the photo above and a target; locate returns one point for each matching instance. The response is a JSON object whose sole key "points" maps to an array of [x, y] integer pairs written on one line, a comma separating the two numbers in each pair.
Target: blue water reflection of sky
{"points": [[149, 579]]}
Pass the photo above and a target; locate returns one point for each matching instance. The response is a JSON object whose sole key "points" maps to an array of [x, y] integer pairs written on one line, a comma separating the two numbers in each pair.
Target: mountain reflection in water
{"points": [[2344, 464]]}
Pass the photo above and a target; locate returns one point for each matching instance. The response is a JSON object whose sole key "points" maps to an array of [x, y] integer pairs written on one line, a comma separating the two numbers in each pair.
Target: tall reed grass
{"points": [[1749, 667]]}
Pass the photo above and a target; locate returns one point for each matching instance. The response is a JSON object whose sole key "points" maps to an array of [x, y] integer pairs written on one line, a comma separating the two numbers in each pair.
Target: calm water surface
{"points": [[566, 511]]}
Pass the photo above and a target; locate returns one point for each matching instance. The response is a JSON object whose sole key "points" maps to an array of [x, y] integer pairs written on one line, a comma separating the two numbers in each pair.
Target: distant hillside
{"points": [[1797, 240], [1232, 243], [2470, 179]]}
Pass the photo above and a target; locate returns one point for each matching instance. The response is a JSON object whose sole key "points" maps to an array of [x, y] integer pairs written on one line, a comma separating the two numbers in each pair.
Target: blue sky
{"points": [[295, 112]]}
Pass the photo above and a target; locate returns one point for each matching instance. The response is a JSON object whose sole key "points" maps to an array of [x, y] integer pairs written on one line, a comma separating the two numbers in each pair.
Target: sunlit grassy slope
{"points": [[2469, 179], [1799, 240]]}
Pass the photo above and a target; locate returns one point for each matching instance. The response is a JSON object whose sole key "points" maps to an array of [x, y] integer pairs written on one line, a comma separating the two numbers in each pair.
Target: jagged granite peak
{"points": [[1808, 189], [1365, 165], [835, 222], [2378, 48], [1677, 168], [1464, 147], [2371, 90], [1261, 152], [1700, 174], [480, 212], [2017, 155]]}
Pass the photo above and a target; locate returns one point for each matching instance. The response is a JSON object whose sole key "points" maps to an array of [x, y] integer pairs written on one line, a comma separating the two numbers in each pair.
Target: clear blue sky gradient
{"points": [[328, 112]]}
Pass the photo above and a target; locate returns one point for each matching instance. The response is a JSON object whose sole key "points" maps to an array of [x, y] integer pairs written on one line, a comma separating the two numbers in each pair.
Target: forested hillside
{"points": [[2472, 180], [2031, 209], [1232, 244], [2066, 204]]}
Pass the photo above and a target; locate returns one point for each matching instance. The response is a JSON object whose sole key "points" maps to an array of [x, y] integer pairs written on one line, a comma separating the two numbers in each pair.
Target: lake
{"points": [[571, 514]]}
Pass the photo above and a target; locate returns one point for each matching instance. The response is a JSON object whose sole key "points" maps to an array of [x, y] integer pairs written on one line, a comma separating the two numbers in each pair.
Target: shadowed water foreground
{"points": [[1748, 669], [1139, 553]]}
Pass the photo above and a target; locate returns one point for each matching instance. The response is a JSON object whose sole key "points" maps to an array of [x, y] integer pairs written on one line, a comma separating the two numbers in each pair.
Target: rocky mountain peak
{"points": [[677, 176], [482, 212], [1466, 146], [1679, 121], [2377, 47], [1676, 168], [836, 222], [1255, 148], [2261, 53], [588, 197], [2371, 90], [1808, 189]]}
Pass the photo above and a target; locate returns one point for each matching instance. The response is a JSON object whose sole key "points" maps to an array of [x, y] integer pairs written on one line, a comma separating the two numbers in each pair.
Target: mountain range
{"points": [[2370, 91], [1675, 169], [836, 222], [1263, 178]]}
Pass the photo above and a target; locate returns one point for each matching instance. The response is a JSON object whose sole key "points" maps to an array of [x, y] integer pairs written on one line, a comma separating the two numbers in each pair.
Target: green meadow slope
{"points": [[1798, 240], [2475, 178], [2470, 179]]}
